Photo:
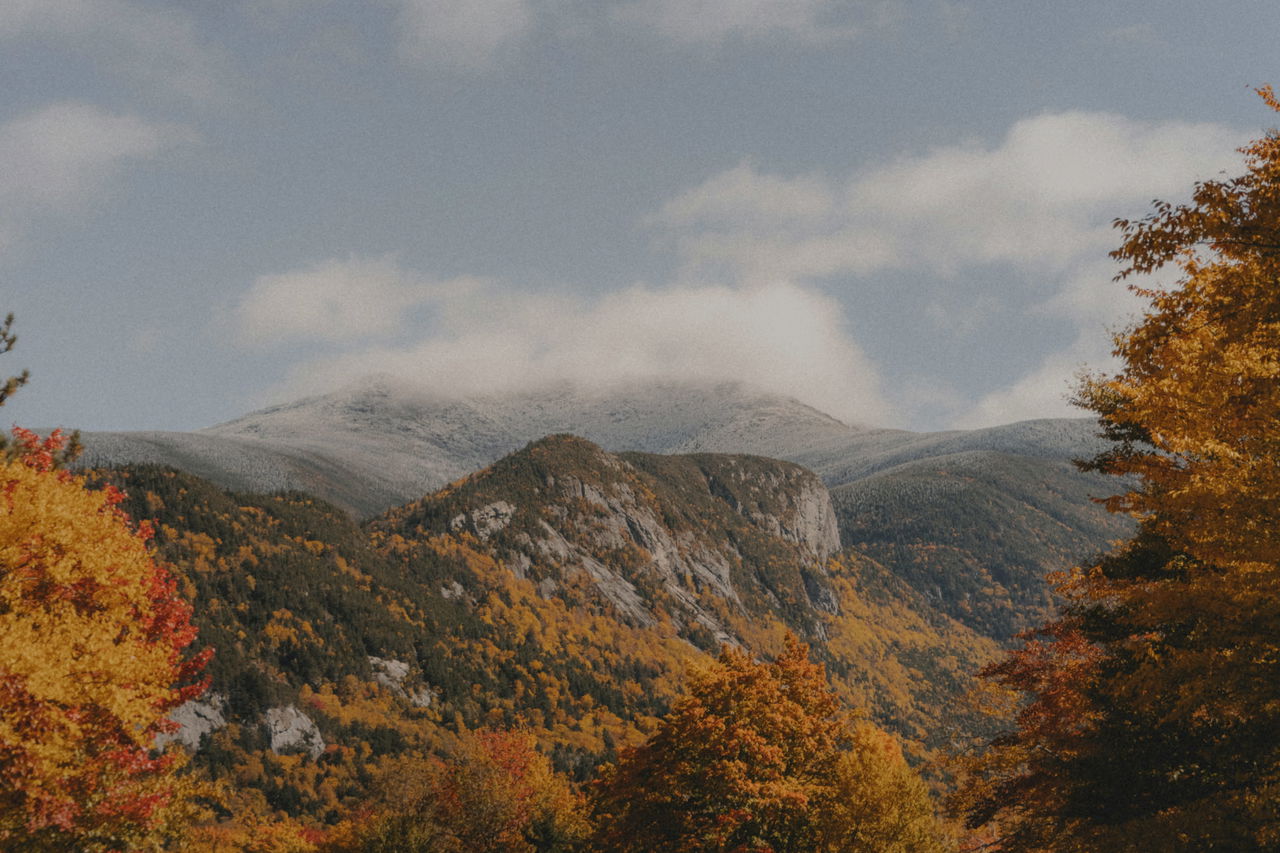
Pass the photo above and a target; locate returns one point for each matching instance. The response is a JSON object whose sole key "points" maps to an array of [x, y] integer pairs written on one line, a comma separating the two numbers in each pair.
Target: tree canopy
{"points": [[1149, 710], [761, 757], [92, 640]]}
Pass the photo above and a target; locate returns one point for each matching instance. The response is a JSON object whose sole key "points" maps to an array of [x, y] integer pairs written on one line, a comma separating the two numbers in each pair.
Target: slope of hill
{"points": [[977, 532], [972, 519], [380, 443], [563, 589]]}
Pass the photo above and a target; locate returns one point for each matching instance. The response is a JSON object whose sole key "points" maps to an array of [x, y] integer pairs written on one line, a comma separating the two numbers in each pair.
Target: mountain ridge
{"points": [[974, 520]]}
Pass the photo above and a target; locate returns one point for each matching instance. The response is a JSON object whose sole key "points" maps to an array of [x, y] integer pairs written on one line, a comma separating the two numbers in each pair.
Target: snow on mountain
{"points": [[382, 442]]}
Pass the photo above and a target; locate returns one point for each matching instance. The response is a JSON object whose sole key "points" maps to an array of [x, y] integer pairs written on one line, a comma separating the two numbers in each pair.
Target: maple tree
{"points": [[1149, 710], [761, 757], [92, 640]]}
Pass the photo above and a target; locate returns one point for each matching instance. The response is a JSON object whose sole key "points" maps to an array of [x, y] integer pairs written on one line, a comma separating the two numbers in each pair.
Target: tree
{"points": [[1150, 708], [92, 634], [760, 757], [494, 794], [66, 451]]}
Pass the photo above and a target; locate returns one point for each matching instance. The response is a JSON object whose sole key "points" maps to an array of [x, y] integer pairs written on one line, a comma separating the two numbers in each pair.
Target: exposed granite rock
{"points": [[706, 540], [290, 730], [799, 506], [195, 718], [485, 521], [392, 674]]}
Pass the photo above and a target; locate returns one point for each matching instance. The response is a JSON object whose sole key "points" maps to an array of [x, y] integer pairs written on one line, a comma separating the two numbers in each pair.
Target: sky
{"points": [[898, 212]]}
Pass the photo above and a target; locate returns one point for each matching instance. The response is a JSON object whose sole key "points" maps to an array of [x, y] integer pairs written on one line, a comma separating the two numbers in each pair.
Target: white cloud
{"points": [[63, 156], [1042, 199], [716, 21], [158, 47], [485, 339], [466, 34], [1044, 392], [744, 196], [338, 301], [1038, 205], [1046, 195]]}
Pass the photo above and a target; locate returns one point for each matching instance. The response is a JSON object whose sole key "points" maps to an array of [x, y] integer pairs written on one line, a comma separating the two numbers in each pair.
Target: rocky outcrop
{"points": [[704, 540], [290, 730], [485, 521], [394, 675], [195, 718], [789, 502]]}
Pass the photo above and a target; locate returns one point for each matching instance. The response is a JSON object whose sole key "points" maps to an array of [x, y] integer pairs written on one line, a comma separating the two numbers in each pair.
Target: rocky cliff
{"points": [[704, 541]]}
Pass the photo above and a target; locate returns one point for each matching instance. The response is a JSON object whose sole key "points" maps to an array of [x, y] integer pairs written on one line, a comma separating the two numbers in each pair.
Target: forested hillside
{"points": [[978, 532], [564, 590], [973, 520]]}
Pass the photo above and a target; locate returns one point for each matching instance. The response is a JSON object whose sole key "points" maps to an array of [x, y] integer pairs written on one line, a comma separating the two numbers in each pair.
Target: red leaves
{"points": [[92, 641], [35, 452], [1058, 672]]}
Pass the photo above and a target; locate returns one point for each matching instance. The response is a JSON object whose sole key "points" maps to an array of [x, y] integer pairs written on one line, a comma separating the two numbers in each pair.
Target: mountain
{"points": [[973, 520], [564, 589], [380, 443]]}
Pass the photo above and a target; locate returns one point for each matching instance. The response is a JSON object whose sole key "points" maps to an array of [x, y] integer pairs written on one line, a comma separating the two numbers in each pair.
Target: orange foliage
{"points": [[494, 794], [1151, 711], [760, 757], [92, 634]]}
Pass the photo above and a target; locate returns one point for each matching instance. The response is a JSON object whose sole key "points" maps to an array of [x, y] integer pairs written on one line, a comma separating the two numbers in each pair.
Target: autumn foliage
{"points": [[761, 757], [1149, 712], [92, 642], [494, 793]]}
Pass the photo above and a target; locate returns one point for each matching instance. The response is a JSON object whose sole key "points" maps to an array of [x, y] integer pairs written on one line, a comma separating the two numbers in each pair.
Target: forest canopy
{"points": [[1149, 709]]}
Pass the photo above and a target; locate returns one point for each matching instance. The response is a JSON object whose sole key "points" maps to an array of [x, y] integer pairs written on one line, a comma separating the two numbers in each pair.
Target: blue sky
{"points": [[895, 211]]}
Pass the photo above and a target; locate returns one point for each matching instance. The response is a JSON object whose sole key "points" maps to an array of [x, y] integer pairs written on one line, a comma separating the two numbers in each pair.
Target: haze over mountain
{"points": [[382, 442]]}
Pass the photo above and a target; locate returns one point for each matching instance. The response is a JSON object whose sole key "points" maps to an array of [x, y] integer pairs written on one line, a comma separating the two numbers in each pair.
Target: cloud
{"points": [[1037, 205], [463, 34], [1044, 392], [696, 22], [158, 47], [482, 339], [743, 196], [1040, 199], [63, 156], [338, 301]]}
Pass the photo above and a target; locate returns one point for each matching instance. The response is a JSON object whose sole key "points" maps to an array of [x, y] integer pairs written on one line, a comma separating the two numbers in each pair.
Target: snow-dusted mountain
{"points": [[972, 519], [380, 443]]}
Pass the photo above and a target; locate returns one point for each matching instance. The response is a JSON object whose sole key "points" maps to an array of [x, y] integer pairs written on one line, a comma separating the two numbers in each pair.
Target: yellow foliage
{"points": [[90, 630]]}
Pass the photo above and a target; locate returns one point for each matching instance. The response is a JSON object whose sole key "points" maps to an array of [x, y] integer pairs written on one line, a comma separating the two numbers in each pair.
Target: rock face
{"points": [[290, 730], [392, 674], [703, 540], [195, 718], [486, 520], [799, 509]]}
